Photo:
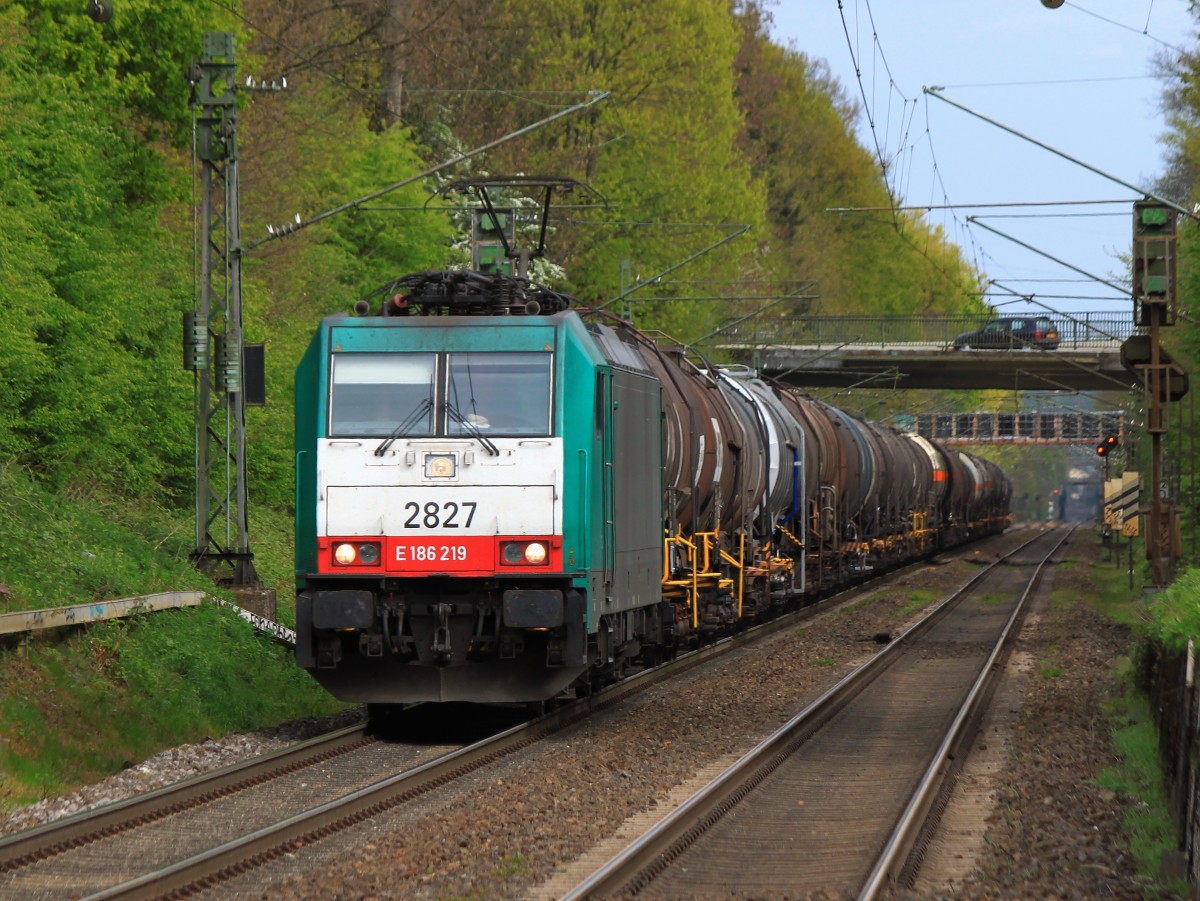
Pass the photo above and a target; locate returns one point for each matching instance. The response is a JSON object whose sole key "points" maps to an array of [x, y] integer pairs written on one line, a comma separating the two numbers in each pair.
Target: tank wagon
{"points": [[500, 500]]}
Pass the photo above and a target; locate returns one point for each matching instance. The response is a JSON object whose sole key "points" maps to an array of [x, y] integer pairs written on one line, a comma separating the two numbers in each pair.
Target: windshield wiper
{"points": [[399, 431], [471, 429]]}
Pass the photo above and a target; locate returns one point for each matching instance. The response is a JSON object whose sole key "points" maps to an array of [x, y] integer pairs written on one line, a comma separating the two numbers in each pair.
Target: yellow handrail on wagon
{"points": [[692, 585], [738, 562]]}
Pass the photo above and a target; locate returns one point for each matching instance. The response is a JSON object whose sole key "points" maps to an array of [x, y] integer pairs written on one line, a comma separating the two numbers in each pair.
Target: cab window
{"points": [[499, 393], [373, 394]]}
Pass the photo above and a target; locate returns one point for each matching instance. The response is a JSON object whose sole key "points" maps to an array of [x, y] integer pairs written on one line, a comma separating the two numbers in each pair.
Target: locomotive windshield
{"points": [[426, 395], [501, 393], [374, 392]]}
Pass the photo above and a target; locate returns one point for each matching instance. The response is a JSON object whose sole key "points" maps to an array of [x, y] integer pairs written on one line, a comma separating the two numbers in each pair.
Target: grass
{"points": [[79, 705], [79, 709], [918, 599], [1148, 824], [857, 604], [511, 866], [1111, 594], [85, 704], [56, 551]]}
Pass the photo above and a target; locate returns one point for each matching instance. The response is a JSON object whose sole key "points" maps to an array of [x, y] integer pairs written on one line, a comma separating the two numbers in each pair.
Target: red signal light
{"points": [[1108, 444]]}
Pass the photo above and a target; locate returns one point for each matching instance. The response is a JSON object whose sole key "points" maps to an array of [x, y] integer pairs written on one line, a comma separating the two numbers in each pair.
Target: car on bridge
{"points": [[1011, 332]]}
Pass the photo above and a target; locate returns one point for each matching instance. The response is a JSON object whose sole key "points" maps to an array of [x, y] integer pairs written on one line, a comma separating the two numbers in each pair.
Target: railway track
{"points": [[84, 855], [179, 839], [182, 839], [832, 804]]}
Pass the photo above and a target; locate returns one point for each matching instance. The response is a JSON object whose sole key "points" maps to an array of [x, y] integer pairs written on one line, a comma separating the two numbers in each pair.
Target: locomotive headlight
{"points": [[520, 553], [440, 466], [365, 554]]}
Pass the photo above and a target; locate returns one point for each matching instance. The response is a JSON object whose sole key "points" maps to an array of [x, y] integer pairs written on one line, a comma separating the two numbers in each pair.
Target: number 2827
{"points": [[432, 515]]}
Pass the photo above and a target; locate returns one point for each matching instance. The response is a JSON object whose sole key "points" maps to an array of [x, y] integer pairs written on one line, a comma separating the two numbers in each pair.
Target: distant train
{"points": [[499, 499], [1081, 498]]}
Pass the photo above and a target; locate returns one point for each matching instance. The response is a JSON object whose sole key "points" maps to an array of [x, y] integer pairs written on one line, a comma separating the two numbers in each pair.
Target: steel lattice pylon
{"points": [[213, 333]]}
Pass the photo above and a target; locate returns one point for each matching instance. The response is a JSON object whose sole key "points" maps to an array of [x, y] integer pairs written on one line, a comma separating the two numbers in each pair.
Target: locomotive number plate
{"points": [[441, 554]]}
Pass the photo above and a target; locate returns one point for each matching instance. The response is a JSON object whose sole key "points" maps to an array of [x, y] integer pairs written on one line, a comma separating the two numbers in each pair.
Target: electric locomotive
{"points": [[458, 481], [500, 502]]}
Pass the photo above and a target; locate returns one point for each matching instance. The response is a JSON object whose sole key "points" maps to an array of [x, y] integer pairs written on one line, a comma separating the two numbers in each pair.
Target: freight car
{"points": [[500, 500]]}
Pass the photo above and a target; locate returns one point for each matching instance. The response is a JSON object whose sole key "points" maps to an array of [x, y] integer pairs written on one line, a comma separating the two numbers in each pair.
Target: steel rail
{"points": [[658, 845], [900, 843], [210, 867], [40, 842], [66, 834]]}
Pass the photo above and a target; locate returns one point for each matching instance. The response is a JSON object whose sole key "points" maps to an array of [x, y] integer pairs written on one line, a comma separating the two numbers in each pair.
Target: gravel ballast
{"points": [[525, 826]]}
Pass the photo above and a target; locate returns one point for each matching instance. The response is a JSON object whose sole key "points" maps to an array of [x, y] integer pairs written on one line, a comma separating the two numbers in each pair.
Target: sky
{"points": [[1079, 79]]}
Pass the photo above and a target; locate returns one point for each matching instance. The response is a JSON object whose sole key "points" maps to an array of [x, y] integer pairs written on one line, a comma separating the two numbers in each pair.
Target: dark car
{"points": [[1011, 332]]}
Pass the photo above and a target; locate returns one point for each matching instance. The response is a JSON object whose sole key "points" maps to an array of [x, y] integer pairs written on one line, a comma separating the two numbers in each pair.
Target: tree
{"points": [[93, 394], [799, 133]]}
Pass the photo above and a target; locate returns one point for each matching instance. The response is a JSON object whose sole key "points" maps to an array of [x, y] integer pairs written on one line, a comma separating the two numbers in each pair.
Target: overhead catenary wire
{"points": [[935, 91], [289, 229], [856, 26], [1145, 31]]}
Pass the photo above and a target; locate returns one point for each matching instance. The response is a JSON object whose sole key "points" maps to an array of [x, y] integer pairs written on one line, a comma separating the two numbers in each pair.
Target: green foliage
{"points": [[58, 550], [663, 150], [1173, 614], [799, 132], [706, 131], [288, 289], [274, 558], [135, 685], [79, 710], [1148, 824], [93, 391], [137, 61]]}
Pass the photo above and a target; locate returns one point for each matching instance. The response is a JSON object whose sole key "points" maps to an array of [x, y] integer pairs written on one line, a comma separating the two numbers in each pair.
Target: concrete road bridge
{"points": [[918, 352]]}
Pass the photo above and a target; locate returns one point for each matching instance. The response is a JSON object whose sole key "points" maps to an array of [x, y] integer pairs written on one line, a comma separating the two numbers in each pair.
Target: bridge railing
{"points": [[1078, 331]]}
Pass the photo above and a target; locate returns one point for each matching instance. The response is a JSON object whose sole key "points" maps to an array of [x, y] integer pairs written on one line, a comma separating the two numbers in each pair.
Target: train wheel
{"points": [[536, 709]]}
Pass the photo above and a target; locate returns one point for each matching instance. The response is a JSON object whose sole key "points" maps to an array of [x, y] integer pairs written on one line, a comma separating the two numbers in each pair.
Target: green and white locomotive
{"points": [[457, 482]]}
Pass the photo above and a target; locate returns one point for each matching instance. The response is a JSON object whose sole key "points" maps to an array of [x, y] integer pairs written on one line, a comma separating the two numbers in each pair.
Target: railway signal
{"points": [[1154, 259], [1107, 445]]}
